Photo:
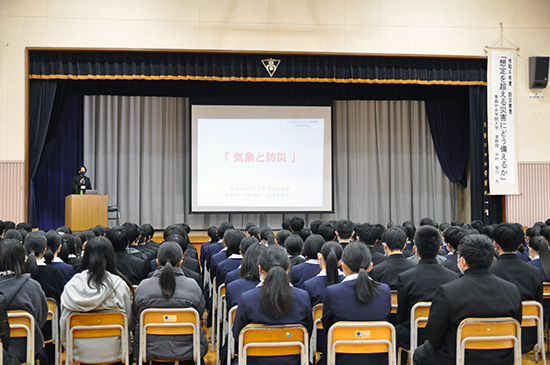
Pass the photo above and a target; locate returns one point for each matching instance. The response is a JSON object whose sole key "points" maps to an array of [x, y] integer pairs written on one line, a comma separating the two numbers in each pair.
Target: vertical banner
{"points": [[501, 123]]}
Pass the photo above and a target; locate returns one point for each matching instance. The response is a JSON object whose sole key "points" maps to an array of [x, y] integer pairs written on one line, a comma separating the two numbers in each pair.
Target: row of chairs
{"points": [[260, 340]]}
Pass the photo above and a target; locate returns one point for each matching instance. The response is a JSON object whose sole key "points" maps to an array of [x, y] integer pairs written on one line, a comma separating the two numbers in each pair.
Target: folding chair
{"points": [[230, 338], [273, 340], [361, 338], [169, 321], [393, 301], [419, 319], [100, 324], [219, 317], [53, 316], [546, 297], [488, 334], [22, 325], [532, 317], [317, 326]]}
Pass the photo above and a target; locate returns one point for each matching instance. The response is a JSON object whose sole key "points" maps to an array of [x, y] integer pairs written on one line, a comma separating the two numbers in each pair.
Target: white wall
{"points": [[449, 27]]}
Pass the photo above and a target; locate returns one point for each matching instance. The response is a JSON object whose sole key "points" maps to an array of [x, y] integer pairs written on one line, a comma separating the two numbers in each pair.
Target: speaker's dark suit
{"points": [[75, 183], [386, 272], [477, 294], [416, 285], [528, 280]]}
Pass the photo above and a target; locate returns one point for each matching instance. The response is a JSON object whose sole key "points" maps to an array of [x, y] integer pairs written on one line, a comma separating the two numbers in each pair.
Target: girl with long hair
{"points": [[273, 301], [169, 288], [540, 257], [356, 298], [329, 259], [100, 286]]}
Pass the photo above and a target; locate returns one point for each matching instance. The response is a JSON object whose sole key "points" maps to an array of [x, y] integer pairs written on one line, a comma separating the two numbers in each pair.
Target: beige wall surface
{"points": [[424, 27]]}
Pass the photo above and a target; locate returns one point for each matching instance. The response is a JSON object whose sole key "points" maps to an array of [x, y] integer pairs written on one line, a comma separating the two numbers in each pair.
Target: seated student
{"points": [[345, 231], [266, 236], [132, 230], [189, 263], [420, 283], [50, 279], [169, 288], [14, 234], [294, 246], [232, 236], [281, 236], [249, 275], [149, 251], [302, 272], [100, 286], [215, 247], [21, 293], [51, 257], [182, 229], [540, 257], [411, 229], [393, 241], [369, 234], [212, 232], [233, 254], [246, 243], [149, 233], [356, 298], [327, 231], [296, 224], [329, 258], [476, 294], [132, 267], [527, 278], [453, 235], [74, 251], [176, 238], [273, 301]]}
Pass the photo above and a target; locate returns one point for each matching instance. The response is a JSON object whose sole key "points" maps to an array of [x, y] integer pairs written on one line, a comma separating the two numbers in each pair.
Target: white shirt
{"points": [[351, 277]]}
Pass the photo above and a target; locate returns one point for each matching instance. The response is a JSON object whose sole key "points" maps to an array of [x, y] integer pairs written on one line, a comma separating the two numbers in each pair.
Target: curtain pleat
{"points": [[385, 165]]}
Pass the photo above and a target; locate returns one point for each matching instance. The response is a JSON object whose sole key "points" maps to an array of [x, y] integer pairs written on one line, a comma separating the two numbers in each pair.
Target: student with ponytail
{"points": [[51, 256], [329, 259], [538, 251], [169, 288], [356, 298], [273, 301]]}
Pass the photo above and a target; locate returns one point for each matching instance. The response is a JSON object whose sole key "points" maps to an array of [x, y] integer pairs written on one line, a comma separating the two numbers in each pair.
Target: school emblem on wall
{"points": [[271, 65]]}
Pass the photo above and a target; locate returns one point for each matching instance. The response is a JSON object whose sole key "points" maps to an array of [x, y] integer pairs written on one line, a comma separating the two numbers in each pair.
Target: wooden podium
{"points": [[85, 211]]}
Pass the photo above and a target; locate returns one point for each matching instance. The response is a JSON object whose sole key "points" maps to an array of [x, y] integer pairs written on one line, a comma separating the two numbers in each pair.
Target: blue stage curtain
{"points": [[47, 100], [54, 180], [449, 127]]}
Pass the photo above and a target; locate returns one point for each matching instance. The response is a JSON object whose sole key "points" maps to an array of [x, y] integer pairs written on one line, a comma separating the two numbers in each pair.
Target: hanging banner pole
{"points": [[501, 121]]}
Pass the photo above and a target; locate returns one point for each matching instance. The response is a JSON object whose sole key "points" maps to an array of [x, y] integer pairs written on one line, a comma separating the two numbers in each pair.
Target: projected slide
{"points": [[261, 159]]}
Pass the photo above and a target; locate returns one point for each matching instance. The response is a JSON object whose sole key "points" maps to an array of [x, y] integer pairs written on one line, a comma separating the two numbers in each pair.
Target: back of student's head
{"points": [[296, 224], [99, 230], [246, 243], [281, 236], [99, 258], [233, 242], [89, 234], [367, 233], [265, 232], [332, 253], [180, 240], [395, 238], [411, 229], [69, 240], [24, 225], [254, 231], [344, 228], [119, 238], [53, 243], [64, 229], [213, 234], [457, 223], [312, 246], [168, 255], [453, 235], [186, 227], [304, 233], [358, 259], [35, 244], [249, 225], [540, 245], [149, 231], [532, 231], [314, 225], [12, 256], [327, 231], [14, 234], [477, 225], [427, 240], [249, 264], [9, 225], [224, 226], [132, 231], [478, 251], [286, 224], [508, 236], [275, 293], [294, 245]]}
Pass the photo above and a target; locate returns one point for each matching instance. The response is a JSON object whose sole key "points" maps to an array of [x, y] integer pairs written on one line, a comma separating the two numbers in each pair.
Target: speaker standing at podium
{"points": [[80, 183]]}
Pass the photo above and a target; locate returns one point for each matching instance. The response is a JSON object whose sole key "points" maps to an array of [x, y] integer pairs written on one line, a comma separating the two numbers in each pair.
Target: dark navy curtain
{"points": [[46, 103], [450, 130], [53, 182]]}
